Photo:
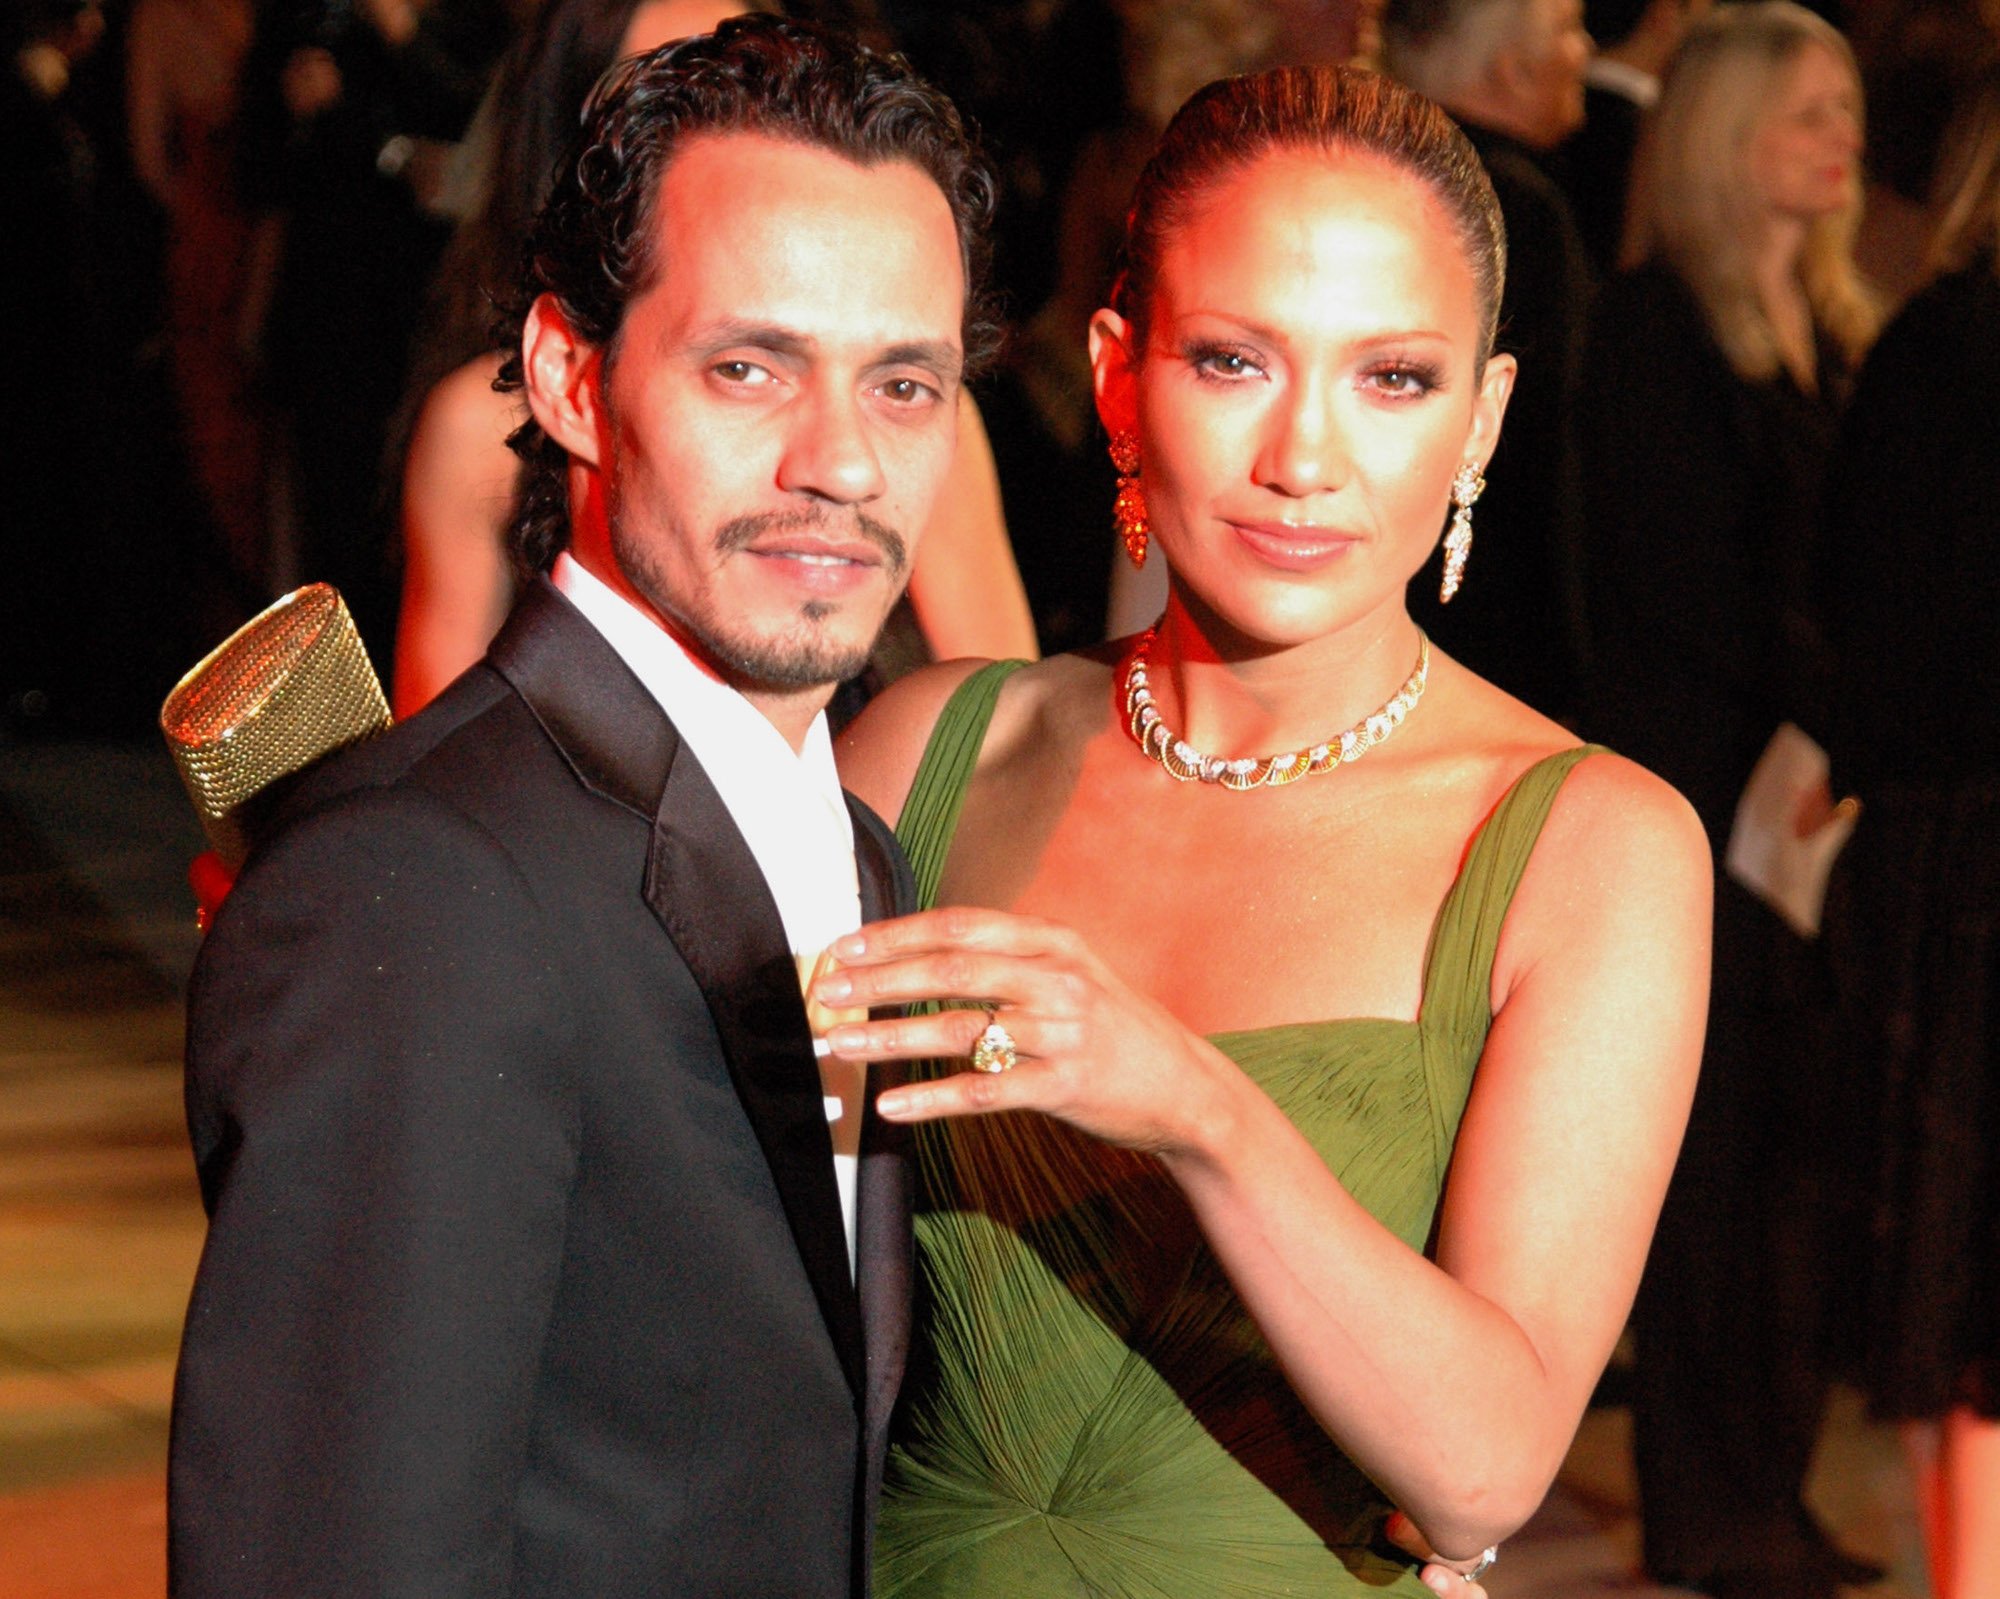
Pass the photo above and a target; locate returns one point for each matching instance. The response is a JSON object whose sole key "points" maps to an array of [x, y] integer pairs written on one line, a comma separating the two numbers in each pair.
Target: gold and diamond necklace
{"points": [[1187, 764]]}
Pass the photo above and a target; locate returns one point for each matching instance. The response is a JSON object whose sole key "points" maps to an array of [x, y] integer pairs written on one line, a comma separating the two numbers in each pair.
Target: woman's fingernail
{"points": [[1438, 1582], [850, 946], [834, 988], [847, 1040], [909, 1101]]}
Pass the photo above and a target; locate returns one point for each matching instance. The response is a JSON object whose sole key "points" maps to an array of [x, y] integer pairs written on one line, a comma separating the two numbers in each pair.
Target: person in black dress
{"points": [[1717, 366], [1914, 576]]}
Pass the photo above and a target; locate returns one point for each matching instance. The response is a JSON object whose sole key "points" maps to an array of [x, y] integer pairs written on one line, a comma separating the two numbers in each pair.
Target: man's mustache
{"points": [[739, 533]]}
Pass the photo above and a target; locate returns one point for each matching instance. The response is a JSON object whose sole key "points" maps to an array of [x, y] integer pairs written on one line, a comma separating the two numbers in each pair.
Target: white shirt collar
{"points": [[786, 803], [1622, 78]]}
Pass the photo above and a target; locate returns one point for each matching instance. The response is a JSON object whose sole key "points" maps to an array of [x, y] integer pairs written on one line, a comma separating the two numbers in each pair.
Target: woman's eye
{"points": [[1224, 363], [1401, 381]]}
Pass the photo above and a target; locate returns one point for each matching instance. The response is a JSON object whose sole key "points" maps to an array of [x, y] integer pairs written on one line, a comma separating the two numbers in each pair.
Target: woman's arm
{"points": [[458, 484], [965, 588], [1457, 1385]]}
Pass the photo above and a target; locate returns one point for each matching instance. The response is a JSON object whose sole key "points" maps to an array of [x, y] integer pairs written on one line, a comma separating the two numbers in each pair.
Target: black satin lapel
{"points": [[883, 1241], [608, 727], [708, 892], [887, 886]]}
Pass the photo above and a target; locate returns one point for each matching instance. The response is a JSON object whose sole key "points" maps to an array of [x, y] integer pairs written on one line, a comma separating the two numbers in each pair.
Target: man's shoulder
{"points": [[477, 774], [474, 739]]}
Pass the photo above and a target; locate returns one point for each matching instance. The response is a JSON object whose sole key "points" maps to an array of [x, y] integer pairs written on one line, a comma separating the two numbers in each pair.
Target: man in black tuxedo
{"points": [[543, 1259]]}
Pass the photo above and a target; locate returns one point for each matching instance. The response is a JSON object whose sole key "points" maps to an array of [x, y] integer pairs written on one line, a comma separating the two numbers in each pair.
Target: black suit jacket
{"points": [[525, 1272], [1594, 167]]}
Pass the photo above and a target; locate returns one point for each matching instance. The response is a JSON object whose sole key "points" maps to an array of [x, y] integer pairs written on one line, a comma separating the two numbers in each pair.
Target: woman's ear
{"points": [[1489, 406], [560, 373], [1113, 361]]}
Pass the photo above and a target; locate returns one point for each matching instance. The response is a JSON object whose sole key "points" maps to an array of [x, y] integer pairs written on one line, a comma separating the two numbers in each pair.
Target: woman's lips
{"points": [[1297, 547]]}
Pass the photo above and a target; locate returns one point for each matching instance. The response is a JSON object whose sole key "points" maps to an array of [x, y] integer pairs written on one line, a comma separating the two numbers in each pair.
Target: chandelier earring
{"points": [[1128, 510], [1466, 487]]}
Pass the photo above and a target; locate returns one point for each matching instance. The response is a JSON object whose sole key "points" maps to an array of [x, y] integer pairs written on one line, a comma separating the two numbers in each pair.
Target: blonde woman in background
{"points": [[1914, 577], [1716, 371]]}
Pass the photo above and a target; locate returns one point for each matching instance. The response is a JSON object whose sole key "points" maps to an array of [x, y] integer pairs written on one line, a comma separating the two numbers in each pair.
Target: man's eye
{"points": [[738, 371], [908, 391]]}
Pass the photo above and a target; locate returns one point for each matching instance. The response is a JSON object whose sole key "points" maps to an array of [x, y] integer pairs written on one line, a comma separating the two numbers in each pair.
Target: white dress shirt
{"points": [[1622, 78], [787, 804]]}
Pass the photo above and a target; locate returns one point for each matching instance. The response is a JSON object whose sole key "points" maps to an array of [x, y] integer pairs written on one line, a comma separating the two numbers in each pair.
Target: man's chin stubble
{"points": [[786, 665], [801, 658]]}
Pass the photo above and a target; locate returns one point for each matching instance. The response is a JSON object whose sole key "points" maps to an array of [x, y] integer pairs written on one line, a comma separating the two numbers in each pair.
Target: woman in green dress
{"points": [[1325, 1102]]}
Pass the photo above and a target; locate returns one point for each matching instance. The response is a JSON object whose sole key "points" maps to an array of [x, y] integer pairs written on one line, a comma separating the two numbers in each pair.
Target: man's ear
{"points": [[561, 375], [1112, 360]]}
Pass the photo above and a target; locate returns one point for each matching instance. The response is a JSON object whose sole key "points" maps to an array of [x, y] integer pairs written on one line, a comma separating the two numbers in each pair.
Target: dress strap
{"points": [[937, 793], [1458, 970]]}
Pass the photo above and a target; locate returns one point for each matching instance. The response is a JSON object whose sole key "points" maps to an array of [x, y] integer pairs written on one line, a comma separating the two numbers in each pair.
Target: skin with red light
{"points": [[1309, 381]]}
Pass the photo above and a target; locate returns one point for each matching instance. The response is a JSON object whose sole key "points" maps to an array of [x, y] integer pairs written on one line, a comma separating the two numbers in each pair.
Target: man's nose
{"points": [[830, 450]]}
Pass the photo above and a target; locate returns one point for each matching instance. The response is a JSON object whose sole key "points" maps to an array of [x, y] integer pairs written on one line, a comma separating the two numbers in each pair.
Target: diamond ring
{"points": [[994, 1052]]}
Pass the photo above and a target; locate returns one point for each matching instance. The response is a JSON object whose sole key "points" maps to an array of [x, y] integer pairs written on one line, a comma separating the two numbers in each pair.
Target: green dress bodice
{"points": [[1092, 1411]]}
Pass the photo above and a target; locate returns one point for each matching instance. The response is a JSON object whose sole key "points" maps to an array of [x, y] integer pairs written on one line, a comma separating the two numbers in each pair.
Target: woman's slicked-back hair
{"points": [[1336, 110], [592, 245]]}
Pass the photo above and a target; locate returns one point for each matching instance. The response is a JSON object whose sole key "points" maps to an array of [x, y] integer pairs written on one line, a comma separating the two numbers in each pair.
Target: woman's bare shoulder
{"points": [[880, 751], [1613, 907], [1609, 808], [1618, 892], [1611, 805]]}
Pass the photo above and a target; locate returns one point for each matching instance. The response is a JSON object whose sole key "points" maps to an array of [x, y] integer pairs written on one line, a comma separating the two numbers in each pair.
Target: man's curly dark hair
{"points": [[591, 245]]}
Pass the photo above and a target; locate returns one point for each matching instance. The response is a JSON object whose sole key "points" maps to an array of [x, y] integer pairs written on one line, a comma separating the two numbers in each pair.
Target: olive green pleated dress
{"points": [[1091, 1410]]}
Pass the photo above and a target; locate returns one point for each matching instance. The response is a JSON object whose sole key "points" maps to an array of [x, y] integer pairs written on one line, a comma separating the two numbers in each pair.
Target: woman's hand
{"points": [[1441, 1577], [1090, 1050]]}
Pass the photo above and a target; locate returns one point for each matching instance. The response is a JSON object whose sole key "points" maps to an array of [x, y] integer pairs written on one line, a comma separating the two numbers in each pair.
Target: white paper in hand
{"points": [[1766, 854]]}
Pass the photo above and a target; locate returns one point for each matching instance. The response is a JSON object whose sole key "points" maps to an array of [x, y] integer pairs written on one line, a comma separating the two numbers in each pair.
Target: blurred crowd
{"points": [[1747, 479]]}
